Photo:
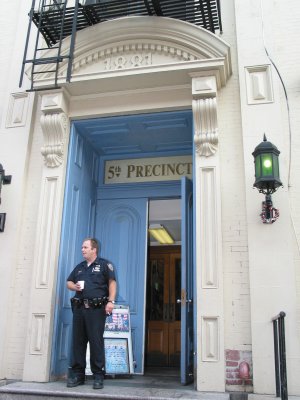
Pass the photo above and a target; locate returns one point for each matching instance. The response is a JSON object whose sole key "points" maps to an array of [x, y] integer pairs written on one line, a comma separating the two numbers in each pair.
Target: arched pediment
{"points": [[138, 44]]}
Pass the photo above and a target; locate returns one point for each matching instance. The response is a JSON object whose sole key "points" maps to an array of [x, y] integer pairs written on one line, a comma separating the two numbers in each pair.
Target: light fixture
{"points": [[267, 179], [160, 234], [4, 180]]}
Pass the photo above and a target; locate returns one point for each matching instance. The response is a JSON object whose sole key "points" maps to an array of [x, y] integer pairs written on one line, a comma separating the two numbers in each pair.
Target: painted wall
{"points": [[237, 316], [15, 121], [268, 27]]}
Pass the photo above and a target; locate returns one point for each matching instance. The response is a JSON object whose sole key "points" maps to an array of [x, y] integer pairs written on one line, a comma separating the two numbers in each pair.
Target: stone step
{"points": [[137, 388]]}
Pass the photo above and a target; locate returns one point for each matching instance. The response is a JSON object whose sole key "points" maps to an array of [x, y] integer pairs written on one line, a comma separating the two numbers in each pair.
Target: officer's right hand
{"points": [[78, 287]]}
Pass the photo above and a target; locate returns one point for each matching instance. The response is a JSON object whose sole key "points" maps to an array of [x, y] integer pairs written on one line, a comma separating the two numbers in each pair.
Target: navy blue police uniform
{"points": [[89, 315]]}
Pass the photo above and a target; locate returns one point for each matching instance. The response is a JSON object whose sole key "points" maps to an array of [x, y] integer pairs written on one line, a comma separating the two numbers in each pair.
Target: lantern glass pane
{"points": [[275, 166], [267, 164], [257, 167]]}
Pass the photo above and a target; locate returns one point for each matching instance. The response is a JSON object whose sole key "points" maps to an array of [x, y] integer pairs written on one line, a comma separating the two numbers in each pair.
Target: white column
{"points": [[210, 326], [55, 127]]}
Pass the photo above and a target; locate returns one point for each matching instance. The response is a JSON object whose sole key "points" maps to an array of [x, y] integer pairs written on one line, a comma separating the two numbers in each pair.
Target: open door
{"points": [[121, 227], [186, 300], [78, 223]]}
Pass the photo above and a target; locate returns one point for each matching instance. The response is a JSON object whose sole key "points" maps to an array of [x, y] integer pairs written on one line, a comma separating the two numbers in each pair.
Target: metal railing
{"points": [[280, 356]]}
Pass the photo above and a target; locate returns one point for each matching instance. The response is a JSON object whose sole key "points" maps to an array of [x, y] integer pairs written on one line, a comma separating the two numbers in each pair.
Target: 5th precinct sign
{"points": [[148, 169]]}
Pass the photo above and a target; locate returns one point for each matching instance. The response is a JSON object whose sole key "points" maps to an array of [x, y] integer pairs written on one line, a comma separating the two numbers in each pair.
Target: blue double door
{"points": [[121, 225]]}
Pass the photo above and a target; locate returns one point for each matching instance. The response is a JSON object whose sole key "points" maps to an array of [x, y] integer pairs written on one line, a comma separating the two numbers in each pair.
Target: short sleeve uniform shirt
{"points": [[95, 276]]}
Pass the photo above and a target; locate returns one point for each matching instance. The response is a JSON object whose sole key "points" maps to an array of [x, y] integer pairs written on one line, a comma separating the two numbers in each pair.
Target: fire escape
{"points": [[55, 20]]}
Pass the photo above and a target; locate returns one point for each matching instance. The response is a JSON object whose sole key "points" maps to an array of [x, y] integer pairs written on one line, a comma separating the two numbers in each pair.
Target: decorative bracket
{"points": [[204, 91], [54, 124], [54, 127]]}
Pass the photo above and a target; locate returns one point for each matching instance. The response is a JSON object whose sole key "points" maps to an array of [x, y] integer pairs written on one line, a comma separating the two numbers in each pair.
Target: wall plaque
{"points": [[148, 169]]}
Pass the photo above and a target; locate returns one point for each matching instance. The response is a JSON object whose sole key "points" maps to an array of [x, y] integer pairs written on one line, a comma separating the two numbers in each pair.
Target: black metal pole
{"points": [[282, 352], [72, 44], [276, 349], [219, 16], [26, 43]]}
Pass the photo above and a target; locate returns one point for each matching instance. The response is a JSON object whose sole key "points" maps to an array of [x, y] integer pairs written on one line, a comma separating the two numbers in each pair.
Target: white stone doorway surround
{"points": [[125, 66]]}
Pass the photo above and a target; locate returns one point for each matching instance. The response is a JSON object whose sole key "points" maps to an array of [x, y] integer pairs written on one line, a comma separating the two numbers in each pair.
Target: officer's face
{"points": [[88, 252]]}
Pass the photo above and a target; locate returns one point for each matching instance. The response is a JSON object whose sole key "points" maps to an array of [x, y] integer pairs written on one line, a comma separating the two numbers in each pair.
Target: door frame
{"points": [[151, 190]]}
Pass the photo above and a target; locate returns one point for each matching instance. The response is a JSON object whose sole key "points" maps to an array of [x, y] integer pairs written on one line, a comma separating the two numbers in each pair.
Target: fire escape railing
{"points": [[55, 21]]}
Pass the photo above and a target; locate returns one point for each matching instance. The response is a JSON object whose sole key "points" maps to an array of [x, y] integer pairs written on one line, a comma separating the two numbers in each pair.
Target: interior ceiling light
{"points": [[160, 234]]}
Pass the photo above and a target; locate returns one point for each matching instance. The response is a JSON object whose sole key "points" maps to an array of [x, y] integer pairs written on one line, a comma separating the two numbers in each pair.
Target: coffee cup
{"points": [[81, 283]]}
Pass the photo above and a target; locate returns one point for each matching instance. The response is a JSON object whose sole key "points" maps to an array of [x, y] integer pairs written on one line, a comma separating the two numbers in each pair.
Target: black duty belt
{"points": [[96, 302]]}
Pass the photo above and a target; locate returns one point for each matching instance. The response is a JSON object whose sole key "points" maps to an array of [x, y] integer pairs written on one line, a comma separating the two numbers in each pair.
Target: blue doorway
{"points": [[94, 208]]}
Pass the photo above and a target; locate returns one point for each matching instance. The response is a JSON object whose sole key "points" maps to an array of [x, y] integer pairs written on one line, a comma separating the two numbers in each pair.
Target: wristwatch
{"points": [[111, 301]]}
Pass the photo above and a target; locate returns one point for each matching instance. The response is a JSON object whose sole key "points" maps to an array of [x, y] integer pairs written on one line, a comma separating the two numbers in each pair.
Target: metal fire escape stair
{"points": [[54, 21]]}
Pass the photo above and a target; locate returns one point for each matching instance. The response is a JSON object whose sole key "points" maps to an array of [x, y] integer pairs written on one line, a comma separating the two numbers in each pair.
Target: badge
{"points": [[110, 267], [96, 268]]}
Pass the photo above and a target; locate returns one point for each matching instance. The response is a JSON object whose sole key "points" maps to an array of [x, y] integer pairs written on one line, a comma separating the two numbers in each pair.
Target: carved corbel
{"points": [[205, 115], [54, 127], [54, 123]]}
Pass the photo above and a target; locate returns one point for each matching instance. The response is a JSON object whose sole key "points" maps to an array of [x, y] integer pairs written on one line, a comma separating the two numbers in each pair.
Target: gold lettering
{"points": [[139, 171], [178, 169], [190, 168], [171, 167], [130, 169], [148, 171], [163, 169], [154, 169]]}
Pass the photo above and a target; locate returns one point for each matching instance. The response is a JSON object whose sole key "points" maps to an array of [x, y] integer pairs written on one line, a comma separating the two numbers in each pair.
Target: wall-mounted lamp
{"points": [[267, 179], [4, 180], [160, 234]]}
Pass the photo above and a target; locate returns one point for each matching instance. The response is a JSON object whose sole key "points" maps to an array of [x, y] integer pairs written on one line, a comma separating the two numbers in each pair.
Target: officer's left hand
{"points": [[109, 307]]}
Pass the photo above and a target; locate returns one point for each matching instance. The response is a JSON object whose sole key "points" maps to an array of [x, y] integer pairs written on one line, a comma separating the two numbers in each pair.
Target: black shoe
{"points": [[98, 383], [76, 381]]}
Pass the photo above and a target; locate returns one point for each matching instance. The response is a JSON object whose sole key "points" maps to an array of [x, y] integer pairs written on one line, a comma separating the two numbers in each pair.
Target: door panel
{"points": [[186, 300], [163, 313], [121, 227], [157, 343]]}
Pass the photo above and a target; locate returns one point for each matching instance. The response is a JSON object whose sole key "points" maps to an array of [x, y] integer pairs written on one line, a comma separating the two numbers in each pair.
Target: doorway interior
{"points": [[163, 311]]}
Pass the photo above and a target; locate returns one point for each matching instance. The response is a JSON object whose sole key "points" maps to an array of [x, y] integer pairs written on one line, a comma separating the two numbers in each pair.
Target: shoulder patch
{"points": [[110, 266]]}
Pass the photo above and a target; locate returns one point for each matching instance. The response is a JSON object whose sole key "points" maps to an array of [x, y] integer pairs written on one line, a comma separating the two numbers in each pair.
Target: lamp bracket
{"points": [[6, 179], [269, 213]]}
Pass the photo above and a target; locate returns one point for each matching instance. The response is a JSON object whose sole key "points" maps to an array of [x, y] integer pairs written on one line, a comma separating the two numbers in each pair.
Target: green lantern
{"points": [[267, 178]]}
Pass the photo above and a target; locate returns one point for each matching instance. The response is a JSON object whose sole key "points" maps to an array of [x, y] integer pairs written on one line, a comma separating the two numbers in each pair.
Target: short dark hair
{"points": [[94, 243]]}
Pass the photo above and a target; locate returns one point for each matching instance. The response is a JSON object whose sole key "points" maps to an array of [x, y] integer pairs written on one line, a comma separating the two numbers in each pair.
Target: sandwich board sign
{"points": [[117, 343]]}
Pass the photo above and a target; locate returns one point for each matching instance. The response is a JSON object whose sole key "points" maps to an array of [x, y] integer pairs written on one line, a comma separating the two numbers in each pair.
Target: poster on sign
{"points": [[116, 356], [117, 343], [118, 321]]}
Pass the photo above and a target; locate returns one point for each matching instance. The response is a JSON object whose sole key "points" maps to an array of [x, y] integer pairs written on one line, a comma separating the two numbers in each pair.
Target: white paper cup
{"points": [[81, 283]]}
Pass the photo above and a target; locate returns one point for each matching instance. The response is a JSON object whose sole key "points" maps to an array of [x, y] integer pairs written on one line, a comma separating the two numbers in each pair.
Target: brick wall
{"points": [[234, 380]]}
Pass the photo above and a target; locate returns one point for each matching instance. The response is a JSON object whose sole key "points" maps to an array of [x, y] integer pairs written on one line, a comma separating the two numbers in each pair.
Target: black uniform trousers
{"points": [[88, 326]]}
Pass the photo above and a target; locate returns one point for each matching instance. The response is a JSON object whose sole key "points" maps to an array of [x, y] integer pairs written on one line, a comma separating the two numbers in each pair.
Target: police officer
{"points": [[94, 282]]}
